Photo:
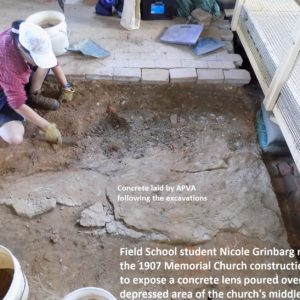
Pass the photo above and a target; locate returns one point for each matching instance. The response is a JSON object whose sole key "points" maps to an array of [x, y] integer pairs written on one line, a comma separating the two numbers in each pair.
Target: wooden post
{"points": [[284, 70], [237, 13]]}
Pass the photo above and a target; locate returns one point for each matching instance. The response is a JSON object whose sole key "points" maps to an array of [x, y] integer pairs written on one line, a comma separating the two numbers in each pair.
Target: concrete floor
{"points": [[136, 56]]}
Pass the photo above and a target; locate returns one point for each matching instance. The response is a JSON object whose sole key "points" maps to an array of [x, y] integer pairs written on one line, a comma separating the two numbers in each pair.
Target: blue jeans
{"points": [[7, 114]]}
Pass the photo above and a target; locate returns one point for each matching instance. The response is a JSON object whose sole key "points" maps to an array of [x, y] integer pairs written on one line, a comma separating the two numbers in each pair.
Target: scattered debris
{"points": [[54, 237]]}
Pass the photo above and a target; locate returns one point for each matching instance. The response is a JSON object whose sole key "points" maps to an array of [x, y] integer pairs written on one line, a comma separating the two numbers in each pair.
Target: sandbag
{"points": [[269, 134], [131, 15]]}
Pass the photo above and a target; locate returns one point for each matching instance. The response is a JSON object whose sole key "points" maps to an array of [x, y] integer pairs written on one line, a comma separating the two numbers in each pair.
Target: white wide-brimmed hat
{"points": [[37, 41]]}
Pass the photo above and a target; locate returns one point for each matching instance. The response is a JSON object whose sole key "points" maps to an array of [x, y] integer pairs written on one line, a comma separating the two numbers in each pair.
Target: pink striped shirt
{"points": [[14, 71]]}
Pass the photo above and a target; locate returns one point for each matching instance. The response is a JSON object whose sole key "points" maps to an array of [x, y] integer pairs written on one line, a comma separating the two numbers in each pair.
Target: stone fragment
{"points": [[183, 75], [285, 168], [94, 216], [32, 207], [226, 35], [210, 76], [222, 24], [202, 16], [155, 76], [228, 45], [237, 77], [54, 238], [70, 188], [111, 227]]}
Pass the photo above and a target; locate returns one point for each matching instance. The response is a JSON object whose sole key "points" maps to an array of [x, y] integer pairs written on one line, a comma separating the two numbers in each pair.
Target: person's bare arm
{"points": [[60, 75], [30, 115]]}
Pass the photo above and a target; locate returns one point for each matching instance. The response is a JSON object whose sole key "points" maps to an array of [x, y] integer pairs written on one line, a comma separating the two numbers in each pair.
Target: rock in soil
{"points": [[94, 216]]}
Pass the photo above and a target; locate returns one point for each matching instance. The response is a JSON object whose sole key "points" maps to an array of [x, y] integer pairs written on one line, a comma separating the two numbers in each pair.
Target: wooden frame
{"points": [[237, 13], [283, 71], [282, 74]]}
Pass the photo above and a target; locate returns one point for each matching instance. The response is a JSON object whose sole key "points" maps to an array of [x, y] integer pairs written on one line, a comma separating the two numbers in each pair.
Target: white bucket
{"points": [[54, 22], [18, 288], [90, 293]]}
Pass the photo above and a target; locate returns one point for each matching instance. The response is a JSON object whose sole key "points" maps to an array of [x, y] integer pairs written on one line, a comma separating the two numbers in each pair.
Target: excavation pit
{"points": [[186, 136], [171, 118]]}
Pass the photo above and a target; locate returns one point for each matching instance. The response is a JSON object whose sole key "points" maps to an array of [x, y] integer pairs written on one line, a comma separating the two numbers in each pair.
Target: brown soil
{"points": [[142, 121]]}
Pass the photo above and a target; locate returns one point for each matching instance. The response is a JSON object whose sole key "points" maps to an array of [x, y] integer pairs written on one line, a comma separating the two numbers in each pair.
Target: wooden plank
{"points": [[228, 13], [252, 60], [236, 13]]}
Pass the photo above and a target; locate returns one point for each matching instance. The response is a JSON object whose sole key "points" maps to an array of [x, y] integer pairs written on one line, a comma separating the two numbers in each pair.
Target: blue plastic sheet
{"points": [[89, 48], [207, 45], [187, 34]]}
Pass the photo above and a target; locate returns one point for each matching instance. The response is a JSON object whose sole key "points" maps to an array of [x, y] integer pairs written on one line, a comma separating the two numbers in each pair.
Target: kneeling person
{"points": [[26, 56]]}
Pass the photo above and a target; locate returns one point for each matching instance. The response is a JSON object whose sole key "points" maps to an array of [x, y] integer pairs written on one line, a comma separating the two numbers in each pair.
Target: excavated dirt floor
{"points": [[177, 135]]}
